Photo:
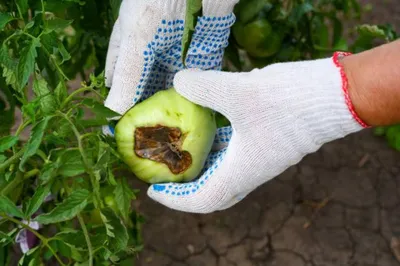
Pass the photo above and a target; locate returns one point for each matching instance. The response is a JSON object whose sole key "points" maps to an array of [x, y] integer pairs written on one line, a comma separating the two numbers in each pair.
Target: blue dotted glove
{"points": [[145, 47], [145, 54]]}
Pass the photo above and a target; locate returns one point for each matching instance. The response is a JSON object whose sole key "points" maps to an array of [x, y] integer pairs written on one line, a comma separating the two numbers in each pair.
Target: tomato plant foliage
{"points": [[60, 181], [54, 161]]}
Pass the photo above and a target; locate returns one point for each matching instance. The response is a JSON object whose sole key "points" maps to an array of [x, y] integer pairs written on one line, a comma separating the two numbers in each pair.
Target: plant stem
{"points": [[51, 58], [86, 163], [69, 98], [86, 135], [19, 177], [42, 238], [17, 180], [14, 158], [31, 173], [9, 38], [89, 244], [42, 155], [22, 126]]}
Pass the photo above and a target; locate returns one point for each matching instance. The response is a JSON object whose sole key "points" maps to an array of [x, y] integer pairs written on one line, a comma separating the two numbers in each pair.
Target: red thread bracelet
{"points": [[345, 87]]}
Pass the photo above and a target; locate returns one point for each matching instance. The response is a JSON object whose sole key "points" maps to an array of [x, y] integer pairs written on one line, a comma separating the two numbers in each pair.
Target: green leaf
{"points": [[70, 163], [54, 139], [26, 62], [393, 136], [4, 19], [48, 171], [371, 31], [22, 6], [30, 108], [337, 31], [31, 258], [29, 25], [37, 200], [49, 40], [34, 140], [10, 77], [5, 58], [64, 53], [298, 12], [124, 195], [66, 210], [111, 177], [101, 111], [341, 45], [7, 142], [221, 120], [76, 239], [250, 8], [104, 157], [5, 239], [67, 251], [47, 101], [60, 92], [115, 5], [8, 175], [55, 24], [95, 122], [9, 67], [7, 109], [8, 207], [116, 230], [193, 10]]}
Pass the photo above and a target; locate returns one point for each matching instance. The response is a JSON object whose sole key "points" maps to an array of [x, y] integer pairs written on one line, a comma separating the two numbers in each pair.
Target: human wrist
{"points": [[358, 90], [373, 84]]}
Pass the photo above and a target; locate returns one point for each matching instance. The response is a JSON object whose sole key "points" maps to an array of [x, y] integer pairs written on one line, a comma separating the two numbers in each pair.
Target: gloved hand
{"points": [[145, 47], [278, 114]]}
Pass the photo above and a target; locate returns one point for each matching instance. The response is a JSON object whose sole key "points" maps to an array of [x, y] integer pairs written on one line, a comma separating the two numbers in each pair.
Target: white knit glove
{"points": [[145, 47], [279, 114]]}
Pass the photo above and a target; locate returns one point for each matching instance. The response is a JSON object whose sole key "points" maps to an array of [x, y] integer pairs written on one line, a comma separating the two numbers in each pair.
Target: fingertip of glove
{"points": [[157, 192], [182, 76]]}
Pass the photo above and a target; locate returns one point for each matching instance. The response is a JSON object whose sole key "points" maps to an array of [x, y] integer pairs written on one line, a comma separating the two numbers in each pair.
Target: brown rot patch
{"points": [[163, 144]]}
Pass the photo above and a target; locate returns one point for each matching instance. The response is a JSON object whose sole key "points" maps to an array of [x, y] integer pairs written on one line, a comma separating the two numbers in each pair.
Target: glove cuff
{"points": [[314, 94], [345, 87], [332, 115]]}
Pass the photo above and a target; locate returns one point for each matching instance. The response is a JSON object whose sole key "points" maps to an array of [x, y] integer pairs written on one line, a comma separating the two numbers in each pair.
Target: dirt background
{"points": [[283, 223]]}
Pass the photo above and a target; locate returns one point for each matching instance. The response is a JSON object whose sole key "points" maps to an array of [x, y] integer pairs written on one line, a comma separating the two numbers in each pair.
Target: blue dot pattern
{"points": [[223, 135], [162, 56], [162, 60]]}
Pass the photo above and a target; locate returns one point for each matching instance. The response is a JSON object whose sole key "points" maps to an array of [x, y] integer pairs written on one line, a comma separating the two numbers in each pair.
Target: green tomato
{"points": [[267, 47], [238, 33], [257, 32], [257, 38], [166, 138]]}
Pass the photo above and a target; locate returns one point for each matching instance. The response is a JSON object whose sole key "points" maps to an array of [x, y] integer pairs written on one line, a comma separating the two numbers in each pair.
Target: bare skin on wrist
{"points": [[374, 84]]}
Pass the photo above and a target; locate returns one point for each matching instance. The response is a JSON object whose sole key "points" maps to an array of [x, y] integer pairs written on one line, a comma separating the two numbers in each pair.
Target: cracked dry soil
{"points": [[337, 207], [281, 224]]}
